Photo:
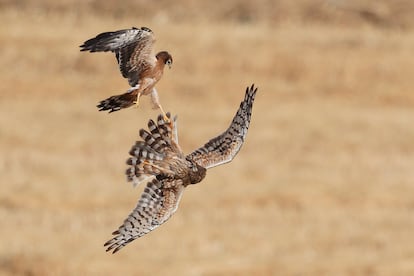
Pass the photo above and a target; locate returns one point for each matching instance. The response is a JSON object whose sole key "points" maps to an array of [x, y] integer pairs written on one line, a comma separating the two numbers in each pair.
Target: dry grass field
{"points": [[324, 184]]}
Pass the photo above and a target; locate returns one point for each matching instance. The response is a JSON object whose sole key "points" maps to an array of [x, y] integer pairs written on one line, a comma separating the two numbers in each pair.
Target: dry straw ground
{"points": [[322, 186]]}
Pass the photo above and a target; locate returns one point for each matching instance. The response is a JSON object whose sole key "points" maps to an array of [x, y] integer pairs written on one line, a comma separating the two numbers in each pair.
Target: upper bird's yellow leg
{"points": [[156, 103], [136, 102]]}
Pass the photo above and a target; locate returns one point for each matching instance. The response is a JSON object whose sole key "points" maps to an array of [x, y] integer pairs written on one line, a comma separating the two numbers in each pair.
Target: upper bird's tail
{"points": [[117, 102]]}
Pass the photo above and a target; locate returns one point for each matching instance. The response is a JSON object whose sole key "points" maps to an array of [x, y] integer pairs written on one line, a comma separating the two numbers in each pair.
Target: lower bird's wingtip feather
{"points": [[113, 246], [253, 87]]}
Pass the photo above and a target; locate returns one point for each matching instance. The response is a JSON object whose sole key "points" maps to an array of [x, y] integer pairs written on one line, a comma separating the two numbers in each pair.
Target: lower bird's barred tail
{"points": [[147, 156]]}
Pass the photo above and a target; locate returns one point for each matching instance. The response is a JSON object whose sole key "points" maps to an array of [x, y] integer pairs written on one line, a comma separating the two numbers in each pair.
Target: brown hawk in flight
{"points": [[136, 59], [159, 161]]}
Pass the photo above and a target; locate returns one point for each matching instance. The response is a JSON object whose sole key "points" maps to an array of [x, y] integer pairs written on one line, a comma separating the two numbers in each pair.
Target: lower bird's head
{"points": [[196, 173], [165, 58]]}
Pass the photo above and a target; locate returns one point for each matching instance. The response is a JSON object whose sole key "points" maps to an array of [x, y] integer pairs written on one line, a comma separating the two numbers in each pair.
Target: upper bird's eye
{"points": [[169, 62]]}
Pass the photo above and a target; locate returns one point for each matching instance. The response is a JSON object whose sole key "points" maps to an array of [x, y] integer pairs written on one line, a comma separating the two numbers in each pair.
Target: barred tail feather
{"points": [[142, 157], [147, 156], [162, 129]]}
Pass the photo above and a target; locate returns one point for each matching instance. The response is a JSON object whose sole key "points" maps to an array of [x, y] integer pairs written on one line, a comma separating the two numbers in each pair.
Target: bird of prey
{"points": [[158, 161], [137, 62]]}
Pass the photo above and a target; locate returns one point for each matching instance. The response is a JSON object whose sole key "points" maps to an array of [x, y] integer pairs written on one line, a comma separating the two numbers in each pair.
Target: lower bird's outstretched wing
{"points": [[223, 148], [157, 204]]}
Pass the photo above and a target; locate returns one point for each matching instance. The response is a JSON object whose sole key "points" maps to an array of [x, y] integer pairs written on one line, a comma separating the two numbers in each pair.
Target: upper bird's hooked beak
{"points": [[169, 62]]}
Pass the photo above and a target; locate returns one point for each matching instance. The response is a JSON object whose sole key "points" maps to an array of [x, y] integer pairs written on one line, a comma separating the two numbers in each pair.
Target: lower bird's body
{"points": [[158, 161]]}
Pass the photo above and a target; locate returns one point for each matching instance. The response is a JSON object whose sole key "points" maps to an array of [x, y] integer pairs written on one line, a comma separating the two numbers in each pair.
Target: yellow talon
{"points": [[166, 119], [136, 102]]}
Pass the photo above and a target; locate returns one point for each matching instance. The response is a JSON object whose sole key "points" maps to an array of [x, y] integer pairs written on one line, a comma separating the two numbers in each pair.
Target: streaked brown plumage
{"points": [[159, 161], [137, 62]]}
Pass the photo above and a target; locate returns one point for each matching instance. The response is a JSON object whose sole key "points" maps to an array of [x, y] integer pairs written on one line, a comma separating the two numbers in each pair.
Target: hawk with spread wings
{"points": [[137, 62], [159, 161]]}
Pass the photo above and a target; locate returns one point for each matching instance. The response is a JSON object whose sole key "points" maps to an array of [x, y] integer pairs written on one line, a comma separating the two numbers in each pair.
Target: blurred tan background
{"points": [[322, 186]]}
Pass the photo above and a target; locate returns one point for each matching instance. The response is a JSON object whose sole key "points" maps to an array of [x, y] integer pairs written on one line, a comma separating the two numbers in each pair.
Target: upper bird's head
{"points": [[165, 57]]}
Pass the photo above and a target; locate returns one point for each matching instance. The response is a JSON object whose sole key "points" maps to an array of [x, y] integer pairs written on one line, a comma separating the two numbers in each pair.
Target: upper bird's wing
{"points": [[223, 148], [133, 49], [157, 204], [156, 154]]}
